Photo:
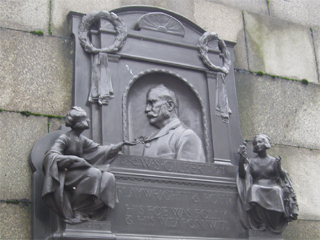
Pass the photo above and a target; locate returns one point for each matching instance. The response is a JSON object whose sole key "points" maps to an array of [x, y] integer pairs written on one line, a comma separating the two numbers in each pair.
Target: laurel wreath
{"points": [[118, 24], [203, 49]]}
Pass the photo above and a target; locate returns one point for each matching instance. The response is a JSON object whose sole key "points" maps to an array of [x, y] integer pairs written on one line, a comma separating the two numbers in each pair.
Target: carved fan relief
{"points": [[161, 22]]}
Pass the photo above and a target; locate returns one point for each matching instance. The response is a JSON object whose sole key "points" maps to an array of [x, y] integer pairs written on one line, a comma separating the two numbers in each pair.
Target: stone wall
{"points": [[278, 45]]}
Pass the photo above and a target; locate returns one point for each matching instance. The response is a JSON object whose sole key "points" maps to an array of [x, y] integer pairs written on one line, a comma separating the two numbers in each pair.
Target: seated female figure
{"points": [[266, 195], [75, 187]]}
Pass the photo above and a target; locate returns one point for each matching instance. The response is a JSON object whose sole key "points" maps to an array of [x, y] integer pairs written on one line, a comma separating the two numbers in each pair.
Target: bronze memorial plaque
{"points": [[150, 148]]}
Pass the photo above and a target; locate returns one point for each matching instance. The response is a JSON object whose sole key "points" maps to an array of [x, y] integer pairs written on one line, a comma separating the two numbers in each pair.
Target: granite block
{"points": [[19, 134], [36, 73], [26, 15], [287, 111], [305, 12], [280, 48], [254, 6], [227, 22], [182, 7], [316, 39], [55, 124], [15, 221], [61, 8], [306, 230], [303, 167]]}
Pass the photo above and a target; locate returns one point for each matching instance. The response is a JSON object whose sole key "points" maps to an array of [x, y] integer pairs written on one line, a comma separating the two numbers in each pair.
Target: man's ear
{"points": [[170, 105]]}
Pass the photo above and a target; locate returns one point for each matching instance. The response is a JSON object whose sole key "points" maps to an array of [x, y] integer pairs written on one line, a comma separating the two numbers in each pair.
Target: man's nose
{"points": [[148, 108]]}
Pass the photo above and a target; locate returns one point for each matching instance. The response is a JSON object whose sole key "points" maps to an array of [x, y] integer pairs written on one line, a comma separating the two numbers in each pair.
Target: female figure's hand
{"points": [[242, 151]]}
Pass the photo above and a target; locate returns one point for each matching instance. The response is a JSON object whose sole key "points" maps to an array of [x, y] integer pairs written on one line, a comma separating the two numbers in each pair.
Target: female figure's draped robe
{"points": [[261, 196], [81, 191]]}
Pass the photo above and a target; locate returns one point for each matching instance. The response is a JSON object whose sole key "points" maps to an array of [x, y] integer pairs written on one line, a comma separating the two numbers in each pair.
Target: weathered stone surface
{"points": [[61, 8], [15, 221], [35, 72], [182, 7], [280, 48], [303, 167], [254, 6], [287, 111], [305, 12], [306, 230], [226, 22], [55, 124], [18, 135], [27, 15], [316, 39]]}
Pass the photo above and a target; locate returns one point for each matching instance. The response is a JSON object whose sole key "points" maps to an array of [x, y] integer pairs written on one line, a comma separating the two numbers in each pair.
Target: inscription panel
{"points": [[158, 208], [173, 166]]}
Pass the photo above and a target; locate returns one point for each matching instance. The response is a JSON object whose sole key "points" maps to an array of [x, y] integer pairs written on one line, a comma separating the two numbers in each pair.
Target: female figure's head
{"points": [[261, 142], [77, 119]]}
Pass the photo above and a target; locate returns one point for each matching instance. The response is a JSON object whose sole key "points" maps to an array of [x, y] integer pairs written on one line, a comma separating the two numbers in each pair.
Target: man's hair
{"points": [[167, 95], [265, 138], [73, 115]]}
